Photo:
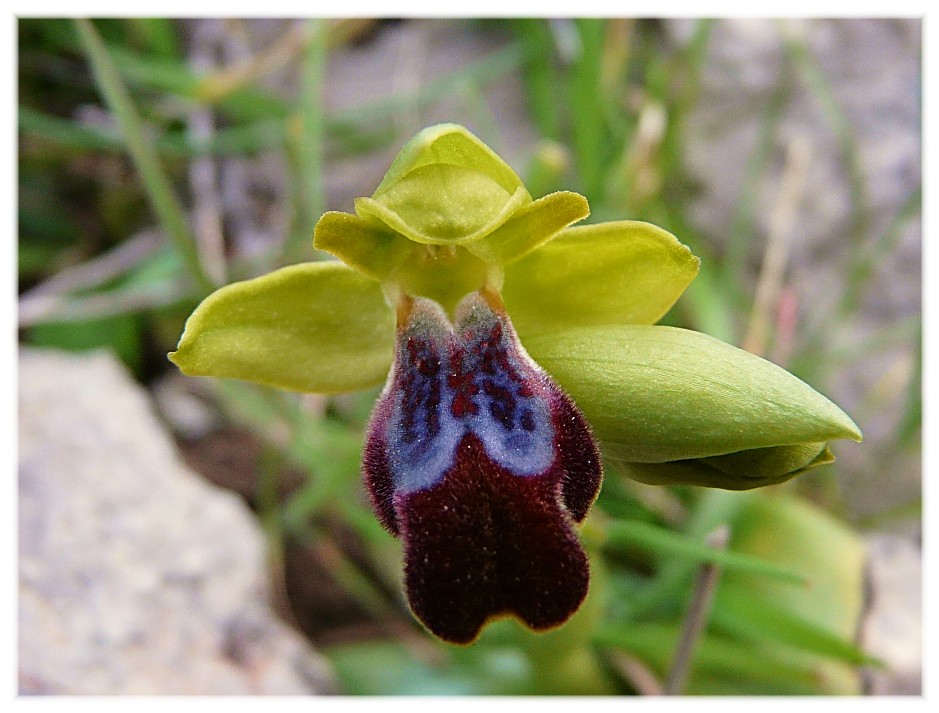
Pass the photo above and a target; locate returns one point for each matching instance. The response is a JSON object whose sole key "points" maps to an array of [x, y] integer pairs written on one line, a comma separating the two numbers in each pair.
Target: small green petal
{"points": [[657, 394], [625, 272], [372, 251], [443, 205], [317, 327], [530, 227], [449, 144]]}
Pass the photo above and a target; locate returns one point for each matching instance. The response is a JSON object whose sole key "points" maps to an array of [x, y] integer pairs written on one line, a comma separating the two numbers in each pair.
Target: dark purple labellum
{"points": [[481, 464]]}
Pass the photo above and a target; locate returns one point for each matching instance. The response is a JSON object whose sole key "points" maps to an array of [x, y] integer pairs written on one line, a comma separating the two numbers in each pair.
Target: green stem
{"points": [[311, 198], [540, 76], [911, 422], [869, 258], [629, 534], [155, 181], [701, 597], [683, 102], [587, 117]]}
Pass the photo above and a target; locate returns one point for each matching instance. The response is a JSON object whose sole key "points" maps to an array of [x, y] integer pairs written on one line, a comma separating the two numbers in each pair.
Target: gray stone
{"points": [[135, 575], [893, 624]]}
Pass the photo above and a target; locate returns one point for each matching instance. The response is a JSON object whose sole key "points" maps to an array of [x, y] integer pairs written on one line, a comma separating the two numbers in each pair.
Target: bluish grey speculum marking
{"points": [[479, 461]]}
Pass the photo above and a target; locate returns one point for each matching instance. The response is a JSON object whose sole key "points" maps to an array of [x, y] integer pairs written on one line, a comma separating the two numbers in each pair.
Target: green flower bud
{"points": [[672, 406]]}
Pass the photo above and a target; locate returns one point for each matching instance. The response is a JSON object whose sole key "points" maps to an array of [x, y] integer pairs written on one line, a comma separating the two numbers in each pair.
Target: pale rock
{"points": [[135, 575]]}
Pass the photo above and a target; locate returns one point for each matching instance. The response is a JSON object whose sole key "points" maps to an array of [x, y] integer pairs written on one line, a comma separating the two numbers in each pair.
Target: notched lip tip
{"points": [[500, 616]]}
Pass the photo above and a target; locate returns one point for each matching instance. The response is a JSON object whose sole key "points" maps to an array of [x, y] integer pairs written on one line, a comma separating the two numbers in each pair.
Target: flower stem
{"points": [[701, 596]]}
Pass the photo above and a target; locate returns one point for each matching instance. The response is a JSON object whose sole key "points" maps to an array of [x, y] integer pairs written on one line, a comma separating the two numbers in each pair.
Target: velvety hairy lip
{"points": [[481, 464]]}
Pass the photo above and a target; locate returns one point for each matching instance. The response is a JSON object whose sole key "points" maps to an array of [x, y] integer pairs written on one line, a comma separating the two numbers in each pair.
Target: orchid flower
{"points": [[514, 349]]}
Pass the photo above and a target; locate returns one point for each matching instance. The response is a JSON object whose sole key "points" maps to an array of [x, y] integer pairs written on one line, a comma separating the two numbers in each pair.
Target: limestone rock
{"points": [[893, 625], [136, 576]]}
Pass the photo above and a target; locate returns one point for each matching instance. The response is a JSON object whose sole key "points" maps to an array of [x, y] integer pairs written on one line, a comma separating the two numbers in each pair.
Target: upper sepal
{"points": [[445, 219], [448, 144], [445, 187], [443, 205]]}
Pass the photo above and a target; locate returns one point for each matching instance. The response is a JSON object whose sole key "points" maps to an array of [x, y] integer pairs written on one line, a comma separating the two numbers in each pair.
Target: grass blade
{"points": [[622, 534], [311, 198], [156, 183], [540, 77], [586, 109], [757, 619], [716, 656]]}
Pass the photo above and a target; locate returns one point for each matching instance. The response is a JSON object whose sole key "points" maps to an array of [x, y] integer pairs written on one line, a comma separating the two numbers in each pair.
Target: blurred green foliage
{"points": [[106, 146]]}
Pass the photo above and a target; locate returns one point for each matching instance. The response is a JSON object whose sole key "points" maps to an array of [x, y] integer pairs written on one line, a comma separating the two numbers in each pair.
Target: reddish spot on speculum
{"points": [[464, 389]]}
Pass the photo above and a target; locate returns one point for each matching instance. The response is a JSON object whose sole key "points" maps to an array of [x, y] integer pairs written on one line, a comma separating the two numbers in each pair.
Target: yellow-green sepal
{"points": [[624, 272], [445, 187], [661, 395], [442, 205], [316, 327], [448, 144]]}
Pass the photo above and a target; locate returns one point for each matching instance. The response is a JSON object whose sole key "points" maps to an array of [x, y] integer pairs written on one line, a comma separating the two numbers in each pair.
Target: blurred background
{"points": [[186, 535]]}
